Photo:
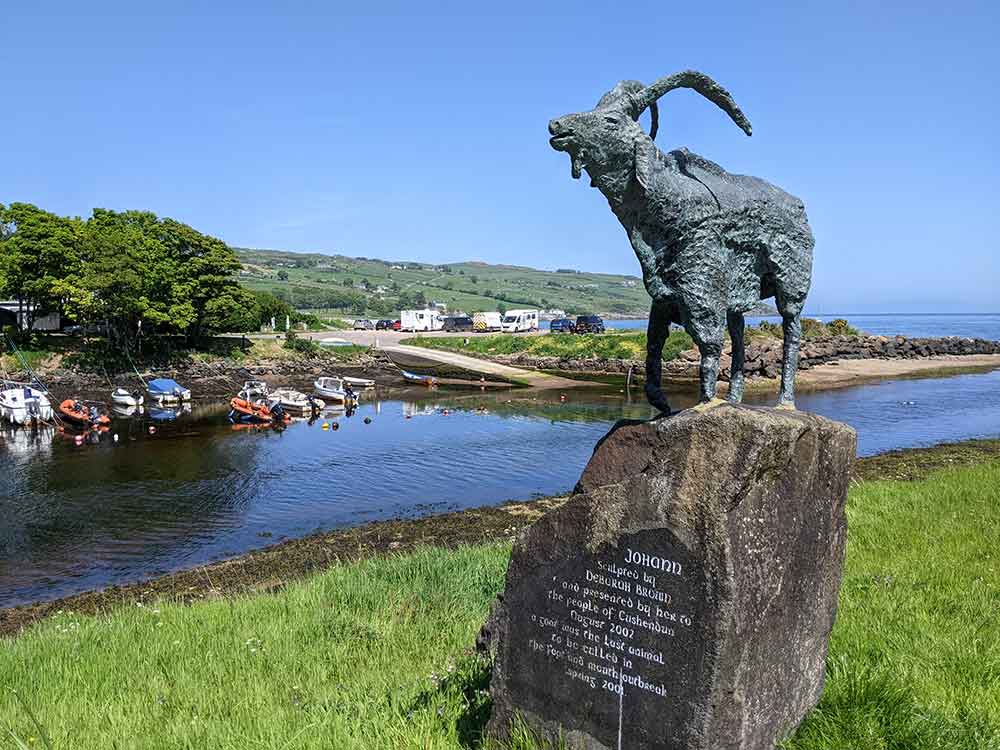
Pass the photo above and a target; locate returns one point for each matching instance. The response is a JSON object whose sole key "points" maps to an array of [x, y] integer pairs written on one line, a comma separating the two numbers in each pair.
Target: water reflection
{"points": [[155, 494]]}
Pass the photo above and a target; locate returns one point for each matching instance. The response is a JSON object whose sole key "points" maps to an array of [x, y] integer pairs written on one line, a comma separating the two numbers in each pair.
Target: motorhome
{"points": [[516, 321], [487, 321], [420, 320]]}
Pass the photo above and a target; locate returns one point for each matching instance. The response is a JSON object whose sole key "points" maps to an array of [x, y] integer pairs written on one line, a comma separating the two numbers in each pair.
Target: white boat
{"points": [[359, 382], [122, 397], [296, 401], [167, 391], [255, 389], [332, 389], [22, 404]]}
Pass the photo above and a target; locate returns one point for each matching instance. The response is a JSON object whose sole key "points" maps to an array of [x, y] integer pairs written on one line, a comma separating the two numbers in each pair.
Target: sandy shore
{"points": [[848, 372]]}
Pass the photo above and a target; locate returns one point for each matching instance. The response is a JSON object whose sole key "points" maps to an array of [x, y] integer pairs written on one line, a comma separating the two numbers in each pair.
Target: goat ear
{"points": [[644, 154]]}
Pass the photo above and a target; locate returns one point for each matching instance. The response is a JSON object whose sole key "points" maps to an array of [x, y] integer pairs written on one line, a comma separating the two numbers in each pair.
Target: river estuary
{"points": [[75, 517]]}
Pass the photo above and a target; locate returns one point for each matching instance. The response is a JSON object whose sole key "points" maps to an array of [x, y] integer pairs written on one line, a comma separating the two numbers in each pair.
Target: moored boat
{"points": [[413, 377], [21, 404], [334, 389], [167, 391], [124, 397], [83, 413], [248, 410], [359, 382], [296, 401]]}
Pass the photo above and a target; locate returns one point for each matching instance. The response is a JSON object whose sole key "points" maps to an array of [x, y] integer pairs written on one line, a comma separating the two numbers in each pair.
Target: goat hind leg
{"points": [[791, 324]]}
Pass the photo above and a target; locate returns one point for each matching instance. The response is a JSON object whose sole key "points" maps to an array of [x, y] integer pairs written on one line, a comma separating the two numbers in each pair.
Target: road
{"points": [[379, 338]]}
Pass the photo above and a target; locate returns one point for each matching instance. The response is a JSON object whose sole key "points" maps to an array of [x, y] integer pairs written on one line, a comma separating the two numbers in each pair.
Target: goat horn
{"points": [[692, 79]]}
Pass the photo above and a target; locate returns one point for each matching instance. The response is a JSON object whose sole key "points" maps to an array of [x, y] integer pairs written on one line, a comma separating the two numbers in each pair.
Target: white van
{"points": [[516, 321], [420, 320], [487, 321]]}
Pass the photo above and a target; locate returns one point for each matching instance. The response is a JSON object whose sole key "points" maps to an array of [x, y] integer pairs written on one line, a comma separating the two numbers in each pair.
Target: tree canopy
{"points": [[131, 270]]}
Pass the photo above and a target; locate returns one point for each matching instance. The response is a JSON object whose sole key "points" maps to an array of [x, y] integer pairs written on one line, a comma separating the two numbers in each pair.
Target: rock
{"points": [[682, 599]]}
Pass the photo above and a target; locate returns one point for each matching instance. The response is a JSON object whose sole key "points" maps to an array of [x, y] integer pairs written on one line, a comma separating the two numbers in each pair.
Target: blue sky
{"points": [[418, 131]]}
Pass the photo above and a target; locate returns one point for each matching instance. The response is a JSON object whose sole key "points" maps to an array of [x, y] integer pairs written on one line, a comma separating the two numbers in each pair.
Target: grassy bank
{"points": [[376, 654], [613, 345]]}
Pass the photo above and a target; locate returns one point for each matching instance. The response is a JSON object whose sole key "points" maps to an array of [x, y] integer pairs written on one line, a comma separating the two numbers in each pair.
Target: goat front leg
{"points": [[655, 286], [736, 329], [657, 331]]}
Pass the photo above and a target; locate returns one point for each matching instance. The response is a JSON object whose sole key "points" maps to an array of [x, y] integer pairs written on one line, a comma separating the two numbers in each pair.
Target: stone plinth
{"points": [[683, 597]]}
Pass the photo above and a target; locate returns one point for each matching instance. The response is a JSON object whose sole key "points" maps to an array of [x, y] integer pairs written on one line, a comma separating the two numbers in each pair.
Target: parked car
{"points": [[397, 325], [362, 324], [562, 325], [384, 325], [460, 323], [589, 324]]}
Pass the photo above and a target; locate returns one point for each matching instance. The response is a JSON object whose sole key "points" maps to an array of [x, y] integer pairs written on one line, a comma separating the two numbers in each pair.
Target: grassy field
{"points": [[470, 286], [377, 654], [612, 345]]}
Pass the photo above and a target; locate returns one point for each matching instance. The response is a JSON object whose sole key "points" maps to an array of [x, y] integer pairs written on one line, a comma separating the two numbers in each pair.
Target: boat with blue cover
{"points": [[167, 391]]}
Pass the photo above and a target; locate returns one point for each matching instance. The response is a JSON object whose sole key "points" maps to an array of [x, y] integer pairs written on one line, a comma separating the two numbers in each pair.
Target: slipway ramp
{"points": [[452, 364]]}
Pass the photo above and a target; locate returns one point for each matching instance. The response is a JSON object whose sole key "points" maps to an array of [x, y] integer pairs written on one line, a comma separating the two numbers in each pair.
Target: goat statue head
{"points": [[604, 140]]}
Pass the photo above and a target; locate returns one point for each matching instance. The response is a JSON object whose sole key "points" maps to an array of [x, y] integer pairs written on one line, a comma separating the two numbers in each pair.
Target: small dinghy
{"points": [[359, 382], [334, 389], [167, 391], [83, 413], [296, 402], [122, 397], [412, 377], [21, 404]]}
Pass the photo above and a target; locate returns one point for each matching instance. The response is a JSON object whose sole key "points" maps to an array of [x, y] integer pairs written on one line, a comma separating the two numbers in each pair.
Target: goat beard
{"points": [[576, 166]]}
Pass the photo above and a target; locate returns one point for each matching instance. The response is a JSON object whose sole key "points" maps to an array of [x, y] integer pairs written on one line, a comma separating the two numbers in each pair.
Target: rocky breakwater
{"points": [[763, 355]]}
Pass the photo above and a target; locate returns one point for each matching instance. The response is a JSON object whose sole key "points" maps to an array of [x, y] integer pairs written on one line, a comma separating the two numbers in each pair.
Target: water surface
{"points": [[80, 516]]}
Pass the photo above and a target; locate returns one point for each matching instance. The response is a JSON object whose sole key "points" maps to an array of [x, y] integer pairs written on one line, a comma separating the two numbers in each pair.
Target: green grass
{"points": [[377, 654], [624, 345]]}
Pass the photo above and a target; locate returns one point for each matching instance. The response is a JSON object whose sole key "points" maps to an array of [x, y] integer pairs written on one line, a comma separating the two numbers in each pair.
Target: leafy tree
{"points": [[172, 278], [283, 275], [39, 260], [348, 281]]}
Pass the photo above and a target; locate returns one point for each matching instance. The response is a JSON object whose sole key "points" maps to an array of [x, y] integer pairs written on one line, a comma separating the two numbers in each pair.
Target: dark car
{"points": [[589, 324], [384, 325], [458, 324], [562, 325]]}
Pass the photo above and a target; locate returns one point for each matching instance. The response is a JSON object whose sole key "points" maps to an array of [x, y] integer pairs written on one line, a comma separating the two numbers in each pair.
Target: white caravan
{"points": [[516, 321], [487, 321], [420, 320]]}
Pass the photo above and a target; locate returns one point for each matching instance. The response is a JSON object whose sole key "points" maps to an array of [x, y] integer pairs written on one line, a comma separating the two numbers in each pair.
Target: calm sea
{"points": [[981, 326]]}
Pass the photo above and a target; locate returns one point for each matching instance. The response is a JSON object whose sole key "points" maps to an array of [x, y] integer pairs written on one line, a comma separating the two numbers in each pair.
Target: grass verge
{"points": [[376, 653], [613, 345]]}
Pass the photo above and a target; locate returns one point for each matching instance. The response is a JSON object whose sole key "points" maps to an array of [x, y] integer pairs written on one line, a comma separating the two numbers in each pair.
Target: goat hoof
{"points": [[706, 405]]}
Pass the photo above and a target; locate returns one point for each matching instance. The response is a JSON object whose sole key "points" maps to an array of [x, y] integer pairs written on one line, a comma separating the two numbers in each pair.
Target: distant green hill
{"points": [[382, 287]]}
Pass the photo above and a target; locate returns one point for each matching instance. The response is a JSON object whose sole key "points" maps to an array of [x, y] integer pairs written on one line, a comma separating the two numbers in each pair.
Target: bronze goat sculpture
{"points": [[711, 244]]}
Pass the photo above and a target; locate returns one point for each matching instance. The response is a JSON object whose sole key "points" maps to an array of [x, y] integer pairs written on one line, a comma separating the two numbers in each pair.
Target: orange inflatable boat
{"points": [[81, 415], [245, 410]]}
